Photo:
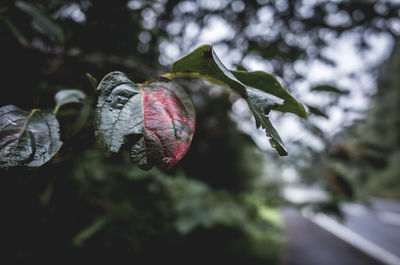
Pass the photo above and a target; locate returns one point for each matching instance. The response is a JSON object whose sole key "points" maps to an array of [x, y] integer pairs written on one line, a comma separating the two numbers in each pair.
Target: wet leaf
{"points": [[155, 120], [203, 62], [41, 22], [329, 88], [68, 96], [268, 83], [27, 138], [260, 104], [261, 90]]}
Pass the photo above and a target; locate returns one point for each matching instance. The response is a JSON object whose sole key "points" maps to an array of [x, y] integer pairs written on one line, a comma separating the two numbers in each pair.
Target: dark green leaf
{"points": [[27, 138], [155, 119], [329, 88], [268, 83], [119, 113], [260, 104], [317, 111], [41, 22], [240, 67], [67, 96], [203, 62], [261, 90]]}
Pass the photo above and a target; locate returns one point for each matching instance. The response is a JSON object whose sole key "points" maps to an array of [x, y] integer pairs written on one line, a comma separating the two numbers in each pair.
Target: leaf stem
{"points": [[92, 80], [56, 108]]}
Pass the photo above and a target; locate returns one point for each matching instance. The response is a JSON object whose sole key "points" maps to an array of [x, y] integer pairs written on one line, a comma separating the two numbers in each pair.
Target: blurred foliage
{"points": [[97, 207], [363, 158], [373, 143], [219, 204]]}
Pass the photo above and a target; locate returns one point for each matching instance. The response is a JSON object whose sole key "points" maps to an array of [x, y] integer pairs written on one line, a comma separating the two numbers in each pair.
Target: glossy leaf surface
{"points": [[156, 120], [268, 83], [261, 90], [27, 138], [260, 103], [204, 62]]}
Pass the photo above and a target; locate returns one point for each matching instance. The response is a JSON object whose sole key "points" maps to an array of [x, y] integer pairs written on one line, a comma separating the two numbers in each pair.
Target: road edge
{"points": [[334, 227]]}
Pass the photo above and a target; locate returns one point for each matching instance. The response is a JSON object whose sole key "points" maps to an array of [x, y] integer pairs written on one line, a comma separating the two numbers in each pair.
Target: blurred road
{"points": [[378, 223], [367, 235]]}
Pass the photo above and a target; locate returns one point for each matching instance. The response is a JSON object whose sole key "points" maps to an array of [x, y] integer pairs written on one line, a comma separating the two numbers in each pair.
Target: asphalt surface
{"points": [[379, 222], [309, 243]]}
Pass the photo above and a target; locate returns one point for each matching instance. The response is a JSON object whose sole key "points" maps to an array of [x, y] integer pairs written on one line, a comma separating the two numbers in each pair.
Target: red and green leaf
{"points": [[156, 119]]}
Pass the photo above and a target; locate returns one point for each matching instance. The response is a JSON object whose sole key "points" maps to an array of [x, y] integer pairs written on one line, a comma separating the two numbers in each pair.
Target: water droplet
{"points": [[167, 160]]}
